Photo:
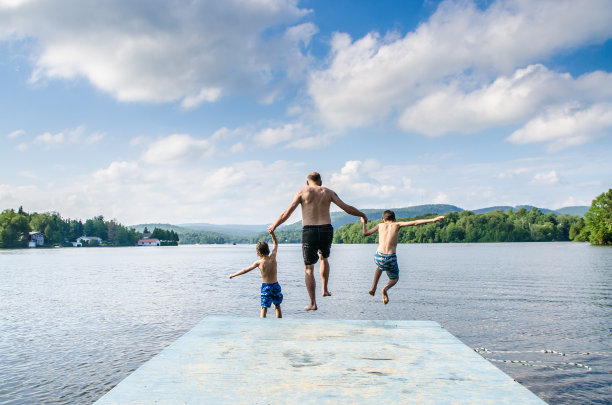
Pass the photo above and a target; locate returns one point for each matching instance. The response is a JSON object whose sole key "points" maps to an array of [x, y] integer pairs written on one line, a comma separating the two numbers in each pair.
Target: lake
{"points": [[76, 321]]}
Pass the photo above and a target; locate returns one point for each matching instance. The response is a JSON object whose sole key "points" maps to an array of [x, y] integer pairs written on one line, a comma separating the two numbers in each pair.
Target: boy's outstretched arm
{"points": [[275, 246], [245, 270], [421, 221]]}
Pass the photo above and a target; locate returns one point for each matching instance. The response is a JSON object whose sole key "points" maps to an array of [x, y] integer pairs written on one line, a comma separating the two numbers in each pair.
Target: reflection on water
{"points": [[75, 322]]}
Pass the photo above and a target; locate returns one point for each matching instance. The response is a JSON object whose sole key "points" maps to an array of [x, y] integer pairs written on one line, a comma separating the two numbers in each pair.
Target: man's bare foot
{"points": [[311, 308], [326, 294], [371, 292], [385, 297]]}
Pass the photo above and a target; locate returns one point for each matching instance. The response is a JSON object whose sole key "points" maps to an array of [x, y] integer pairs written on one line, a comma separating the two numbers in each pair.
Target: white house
{"points": [[88, 239], [36, 239], [149, 242]]}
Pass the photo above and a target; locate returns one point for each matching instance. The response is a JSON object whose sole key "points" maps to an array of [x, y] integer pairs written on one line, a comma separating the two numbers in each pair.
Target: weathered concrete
{"points": [[226, 360]]}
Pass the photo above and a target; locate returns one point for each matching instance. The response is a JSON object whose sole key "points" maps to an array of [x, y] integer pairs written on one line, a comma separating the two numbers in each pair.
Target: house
{"points": [[88, 239], [149, 242], [77, 244], [36, 239]]}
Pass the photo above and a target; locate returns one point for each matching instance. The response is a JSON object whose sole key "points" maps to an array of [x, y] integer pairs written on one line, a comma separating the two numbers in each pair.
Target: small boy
{"points": [[270, 289], [385, 258]]}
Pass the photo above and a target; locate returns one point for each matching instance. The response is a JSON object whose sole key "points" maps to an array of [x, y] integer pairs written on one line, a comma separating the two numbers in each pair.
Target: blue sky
{"points": [[208, 111]]}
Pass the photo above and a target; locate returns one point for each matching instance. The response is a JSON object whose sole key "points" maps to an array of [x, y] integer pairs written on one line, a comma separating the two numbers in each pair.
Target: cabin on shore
{"points": [[149, 242], [36, 239], [88, 239]]}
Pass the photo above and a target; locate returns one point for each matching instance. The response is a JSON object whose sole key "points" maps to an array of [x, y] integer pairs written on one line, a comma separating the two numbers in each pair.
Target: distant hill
{"points": [[244, 233], [339, 218], [166, 227], [577, 210], [232, 229]]}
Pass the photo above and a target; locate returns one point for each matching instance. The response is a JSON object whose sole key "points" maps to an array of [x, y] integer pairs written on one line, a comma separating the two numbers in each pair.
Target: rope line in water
{"points": [[537, 363], [481, 350]]}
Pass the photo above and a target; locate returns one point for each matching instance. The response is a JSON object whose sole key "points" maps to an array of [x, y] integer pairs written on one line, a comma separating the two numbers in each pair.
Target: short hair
{"points": [[315, 177], [388, 215], [262, 248]]}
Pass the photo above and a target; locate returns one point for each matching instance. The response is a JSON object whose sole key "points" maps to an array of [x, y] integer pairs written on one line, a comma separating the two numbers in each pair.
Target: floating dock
{"points": [[228, 360]]}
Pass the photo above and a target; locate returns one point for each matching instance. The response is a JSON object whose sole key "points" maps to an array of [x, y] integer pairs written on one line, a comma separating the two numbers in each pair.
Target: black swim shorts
{"points": [[315, 239]]}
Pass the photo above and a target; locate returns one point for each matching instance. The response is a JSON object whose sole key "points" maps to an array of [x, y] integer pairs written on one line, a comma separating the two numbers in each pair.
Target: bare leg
{"points": [[264, 311], [279, 313], [311, 285], [324, 275], [377, 274], [391, 283]]}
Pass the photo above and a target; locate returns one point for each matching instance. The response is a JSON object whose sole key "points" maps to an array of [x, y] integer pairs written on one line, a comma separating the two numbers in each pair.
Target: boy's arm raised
{"points": [[245, 270], [275, 246], [421, 221]]}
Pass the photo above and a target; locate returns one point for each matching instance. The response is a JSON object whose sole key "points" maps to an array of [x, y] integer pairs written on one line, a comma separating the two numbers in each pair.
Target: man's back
{"points": [[315, 202]]}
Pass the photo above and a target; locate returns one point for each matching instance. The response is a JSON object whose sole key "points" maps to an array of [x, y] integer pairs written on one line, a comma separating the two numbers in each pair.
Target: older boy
{"points": [[385, 258], [270, 289]]}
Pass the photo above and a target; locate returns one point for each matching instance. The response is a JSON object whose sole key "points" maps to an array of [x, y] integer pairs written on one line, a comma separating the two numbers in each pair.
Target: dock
{"points": [[230, 360]]}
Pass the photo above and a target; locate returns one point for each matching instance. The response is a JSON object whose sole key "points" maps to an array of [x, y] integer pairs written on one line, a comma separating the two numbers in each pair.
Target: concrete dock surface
{"points": [[230, 360]]}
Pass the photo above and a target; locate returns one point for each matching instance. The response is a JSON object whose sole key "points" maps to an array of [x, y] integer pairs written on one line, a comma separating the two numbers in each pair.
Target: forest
{"points": [[16, 225], [496, 226]]}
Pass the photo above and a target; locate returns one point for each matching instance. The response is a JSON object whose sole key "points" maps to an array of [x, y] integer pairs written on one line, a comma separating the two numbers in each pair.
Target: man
{"points": [[317, 232]]}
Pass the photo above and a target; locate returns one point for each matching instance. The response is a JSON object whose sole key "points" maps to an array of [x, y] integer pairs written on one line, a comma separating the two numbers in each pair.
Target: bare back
{"points": [[315, 202], [387, 237], [267, 267]]}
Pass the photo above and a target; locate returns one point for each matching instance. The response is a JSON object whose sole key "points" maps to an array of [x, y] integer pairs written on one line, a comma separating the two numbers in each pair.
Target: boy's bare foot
{"points": [[311, 308], [326, 294], [385, 297], [371, 292]]}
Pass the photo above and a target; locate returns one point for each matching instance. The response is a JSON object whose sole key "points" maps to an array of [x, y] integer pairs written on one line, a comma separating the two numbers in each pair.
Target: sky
{"points": [[205, 111]]}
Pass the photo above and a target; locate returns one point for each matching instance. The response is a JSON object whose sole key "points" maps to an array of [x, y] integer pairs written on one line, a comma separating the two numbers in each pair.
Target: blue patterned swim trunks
{"points": [[388, 263], [271, 294]]}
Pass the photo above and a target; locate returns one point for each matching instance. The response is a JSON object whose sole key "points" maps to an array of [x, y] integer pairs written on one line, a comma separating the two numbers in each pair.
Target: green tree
{"points": [[599, 219], [14, 229]]}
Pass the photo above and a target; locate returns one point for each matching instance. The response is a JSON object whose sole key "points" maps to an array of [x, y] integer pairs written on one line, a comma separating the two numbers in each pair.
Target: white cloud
{"points": [[72, 136], [566, 126], [441, 198], [134, 192], [372, 184], [16, 134], [461, 55], [272, 136], [510, 173], [209, 95], [178, 148], [548, 178], [508, 100], [188, 51]]}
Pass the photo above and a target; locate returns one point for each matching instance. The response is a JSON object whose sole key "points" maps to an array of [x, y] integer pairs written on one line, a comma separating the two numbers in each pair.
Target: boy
{"points": [[270, 289], [385, 258]]}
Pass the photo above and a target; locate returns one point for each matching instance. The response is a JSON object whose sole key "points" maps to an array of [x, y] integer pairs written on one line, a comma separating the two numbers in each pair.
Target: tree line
{"points": [[495, 226], [15, 227]]}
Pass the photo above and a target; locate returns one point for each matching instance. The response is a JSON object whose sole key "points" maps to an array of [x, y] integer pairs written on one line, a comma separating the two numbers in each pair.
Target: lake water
{"points": [[75, 322]]}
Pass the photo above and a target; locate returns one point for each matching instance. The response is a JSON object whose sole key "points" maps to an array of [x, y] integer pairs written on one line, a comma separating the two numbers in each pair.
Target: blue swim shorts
{"points": [[271, 294], [388, 263]]}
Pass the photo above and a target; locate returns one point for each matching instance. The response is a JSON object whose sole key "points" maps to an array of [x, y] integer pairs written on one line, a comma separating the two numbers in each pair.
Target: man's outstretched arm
{"points": [[285, 215], [349, 209]]}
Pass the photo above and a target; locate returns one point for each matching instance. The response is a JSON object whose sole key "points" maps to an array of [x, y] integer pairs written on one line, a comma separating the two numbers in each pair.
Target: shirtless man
{"points": [[317, 232]]}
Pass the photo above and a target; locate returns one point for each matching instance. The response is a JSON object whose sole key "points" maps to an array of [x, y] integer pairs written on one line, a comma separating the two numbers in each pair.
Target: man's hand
{"points": [[271, 228], [364, 220]]}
